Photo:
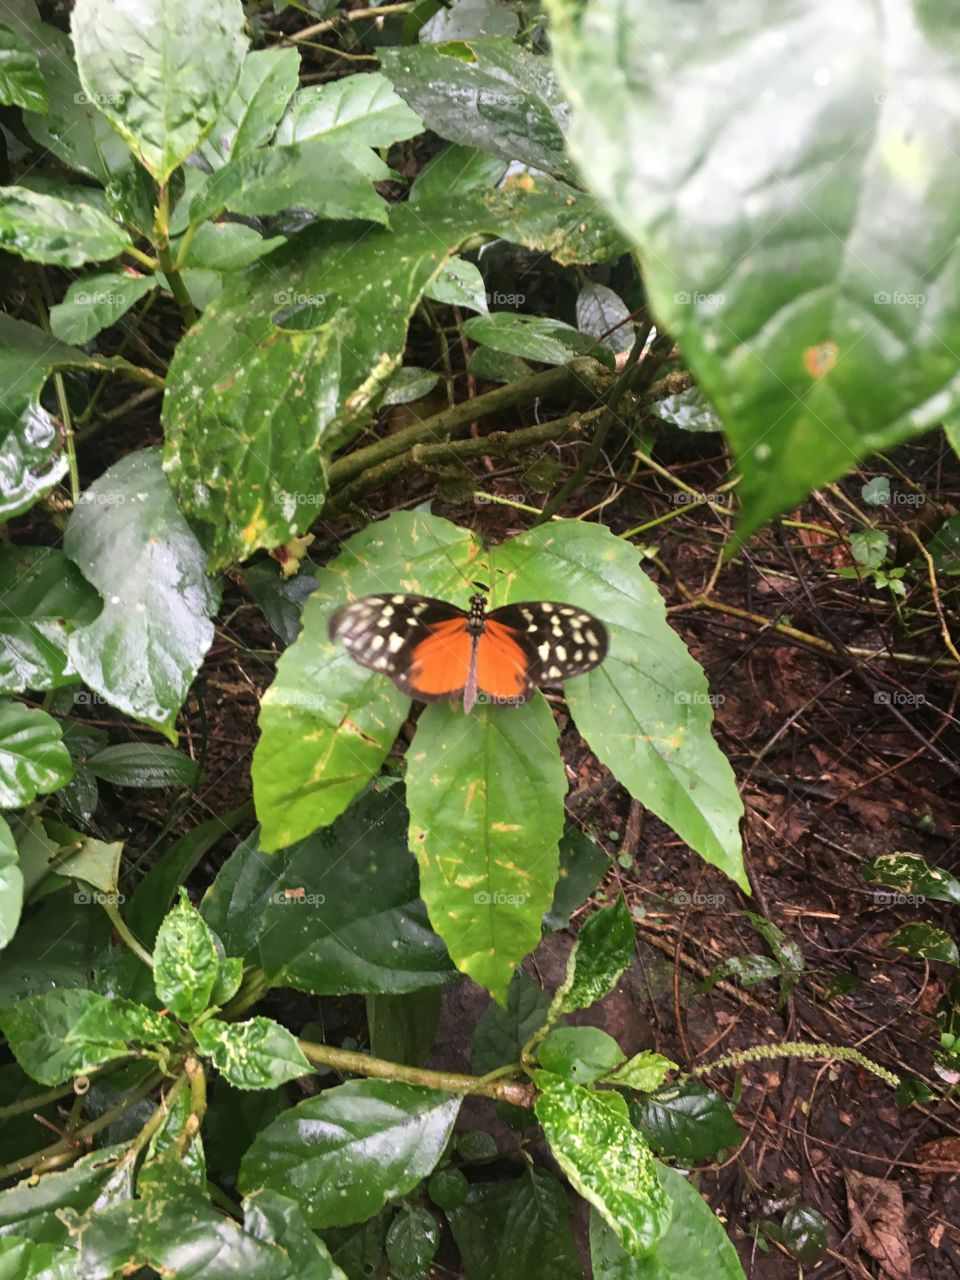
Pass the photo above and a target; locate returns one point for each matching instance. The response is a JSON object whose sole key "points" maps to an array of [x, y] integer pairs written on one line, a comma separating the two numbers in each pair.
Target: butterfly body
{"points": [[434, 651]]}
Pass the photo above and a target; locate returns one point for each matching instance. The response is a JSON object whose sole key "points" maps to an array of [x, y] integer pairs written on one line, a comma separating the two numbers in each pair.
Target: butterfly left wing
{"points": [[559, 640], [422, 644]]}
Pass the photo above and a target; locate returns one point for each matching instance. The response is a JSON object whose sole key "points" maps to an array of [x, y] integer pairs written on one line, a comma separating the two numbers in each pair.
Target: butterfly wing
{"points": [[559, 641], [422, 644], [503, 664]]}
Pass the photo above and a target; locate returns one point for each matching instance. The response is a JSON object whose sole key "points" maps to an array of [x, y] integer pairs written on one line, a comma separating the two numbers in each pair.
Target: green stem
{"points": [[37, 282], [167, 265], [363, 1064], [797, 1049], [121, 926]]}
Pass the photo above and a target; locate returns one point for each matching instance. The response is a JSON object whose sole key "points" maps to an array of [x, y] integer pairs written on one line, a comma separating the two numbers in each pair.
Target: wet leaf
{"points": [[62, 233], [267, 81], [93, 303], [11, 885], [687, 1121], [143, 764], [42, 599], [33, 759], [21, 83], [603, 949], [604, 315], [257, 1054], [185, 961]]}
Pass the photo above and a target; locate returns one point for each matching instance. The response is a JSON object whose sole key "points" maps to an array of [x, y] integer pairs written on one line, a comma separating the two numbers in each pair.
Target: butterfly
{"points": [[432, 650]]}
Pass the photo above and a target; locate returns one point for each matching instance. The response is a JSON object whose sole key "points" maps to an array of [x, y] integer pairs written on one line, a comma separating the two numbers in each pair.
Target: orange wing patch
{"points": [[439, 664], [501, 663]]}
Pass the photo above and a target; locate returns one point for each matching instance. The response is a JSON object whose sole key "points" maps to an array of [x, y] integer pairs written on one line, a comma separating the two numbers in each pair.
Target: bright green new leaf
{"points": [[59, 232], [695, 1243], [33, 759], [267, 81], [42, 598], [161, 71], [459, 284], [645, 711], [644, 1072], [499, 97], [326, 723], [344, 1154], [11, 885], [128, 537], [579, 1054], [486, 814], [21, 83], [762, 198], [258, 1054], [606, 1160], [910, 873], [185, 961], [603, 949], [96, 302]]}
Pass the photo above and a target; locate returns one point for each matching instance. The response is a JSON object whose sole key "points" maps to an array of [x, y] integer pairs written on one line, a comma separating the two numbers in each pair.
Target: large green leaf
{"points": [[338, 912], [128, 538], [96, 302], [695, 1243], [517, 1228], [257, 1054], [287, 364], [645, 710], [603, 949], [160, 70], [11, 885], [606, 1160], [353, 114], [687, 1121], [486, 815], [21, 83], [42, 598], [63, 233], [267, 80], [326, 723], [185, 961], [580, 1054], [781, 143], [32, 1207], [345, 1153], [23, 1259], [488, 92], [33, 759]]}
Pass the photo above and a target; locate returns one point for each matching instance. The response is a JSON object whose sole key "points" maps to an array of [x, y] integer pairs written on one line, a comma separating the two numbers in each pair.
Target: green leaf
{"points": [[258, 1054], [501, 1033], [309, 174], [454, 171], [40, 1032], [95, 862], [372, 1140], [695, 1243], [687, 1121], [495, 366], [267, 81], [408, 384], [604, 315], [42, 599], [59, 232], [402, 1027], [11, 885], [128, 538], [689, 411], [131, 59], [289, 362], [749, 970], [228, 246], [603, 949], [847, 352], [534, 338], [21, 83], [516, 1228], [804, 1232], [459, 284], [22, 1259], [326, 723], [274, 1218], [412, 1241], [911, 874], [97, 302], [580, 1054], [468, 20], [30, 965], [33, 759], [607, 1161], [786, 952], [336, 914], [504, 99], [166, 1168], [582, 867], [645, 711], [117, 1023], [143, 764], [31, 1207], [644, 1072], [925, 942], [488, 877], [352, 114], [32, 459], [185, 961], [870, 547], [448, 1188]]}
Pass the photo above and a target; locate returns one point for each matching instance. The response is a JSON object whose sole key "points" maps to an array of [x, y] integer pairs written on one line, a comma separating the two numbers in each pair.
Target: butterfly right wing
{"points": [[422, 644]]}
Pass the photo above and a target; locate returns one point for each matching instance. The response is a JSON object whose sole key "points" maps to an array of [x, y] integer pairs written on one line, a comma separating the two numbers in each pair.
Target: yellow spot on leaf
{"points": [[820, 359]]}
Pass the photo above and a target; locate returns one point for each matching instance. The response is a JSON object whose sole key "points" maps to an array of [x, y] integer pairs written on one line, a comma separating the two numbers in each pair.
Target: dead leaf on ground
{"points": [[940, 1156], [878, 1223]]}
